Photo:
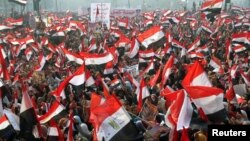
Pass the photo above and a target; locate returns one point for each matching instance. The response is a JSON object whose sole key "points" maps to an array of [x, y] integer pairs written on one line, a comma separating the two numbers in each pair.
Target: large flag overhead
{"points": [[210, 100], [112, 122], [196, 76], [150, 36]]}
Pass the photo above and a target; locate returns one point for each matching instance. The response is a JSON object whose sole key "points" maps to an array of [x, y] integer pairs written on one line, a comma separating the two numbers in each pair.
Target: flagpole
{"points": [[128, 3], [5, 8], [56, 6]]}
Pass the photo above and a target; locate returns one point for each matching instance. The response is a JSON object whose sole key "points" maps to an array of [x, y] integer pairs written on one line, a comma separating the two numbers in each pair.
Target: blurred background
{"points": [[76, 5]]}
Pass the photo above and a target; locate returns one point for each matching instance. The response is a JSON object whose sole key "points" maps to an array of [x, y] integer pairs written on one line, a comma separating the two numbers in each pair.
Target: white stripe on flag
{"points": [[185, 115], [155, 37], [113, 124], [4, 124], [52, 131], [201, 80], [210, 104]]}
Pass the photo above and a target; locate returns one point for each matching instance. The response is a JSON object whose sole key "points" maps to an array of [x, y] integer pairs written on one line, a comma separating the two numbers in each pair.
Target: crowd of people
{"points": [[37, 65]]}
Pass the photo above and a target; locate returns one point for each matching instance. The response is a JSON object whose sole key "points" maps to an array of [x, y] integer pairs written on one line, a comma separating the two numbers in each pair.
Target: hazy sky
{"points": [[173, 4], [74, 5]]}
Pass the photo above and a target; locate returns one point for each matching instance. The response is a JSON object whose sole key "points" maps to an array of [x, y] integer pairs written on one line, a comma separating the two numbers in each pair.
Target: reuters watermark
{"points": [[216, 132]]}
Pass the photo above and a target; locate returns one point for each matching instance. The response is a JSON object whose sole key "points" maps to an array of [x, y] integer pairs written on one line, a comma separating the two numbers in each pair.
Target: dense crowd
{"points": [[36, 62]]}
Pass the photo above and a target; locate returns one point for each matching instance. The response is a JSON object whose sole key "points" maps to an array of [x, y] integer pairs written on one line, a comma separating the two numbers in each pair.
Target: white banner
{"points": [[124, 12], [100, 12]]}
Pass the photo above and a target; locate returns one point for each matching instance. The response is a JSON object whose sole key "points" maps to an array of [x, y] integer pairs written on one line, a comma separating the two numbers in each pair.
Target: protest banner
{"points": [[100, 12]]}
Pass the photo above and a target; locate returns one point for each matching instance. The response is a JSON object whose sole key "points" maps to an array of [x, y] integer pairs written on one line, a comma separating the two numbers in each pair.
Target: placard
{"points": [[100, 12], [124, 12]]}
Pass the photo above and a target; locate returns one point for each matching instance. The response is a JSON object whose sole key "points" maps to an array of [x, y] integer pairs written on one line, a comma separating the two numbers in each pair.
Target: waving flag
{"points": [[150, 36], [15, 22], [233, 71], [54, 132], [5, 27], [210, 100], [6, 129], [54, 110], [142, 93], [194, 45], [41, 61], [230, 95], [216, 64], [4, 69], [109, 68], [78, 78], [211, 8], [21, 2], [89, 79], [134, 48], [97, 59], [167, 70], [123, 22], [70, 135], [72, 56], [154, 79], [196, 76], [245, 78], [147, 53], [180, 112], [132, 80], [28, 117], [239, 48], [242, 38], [112, 122]]}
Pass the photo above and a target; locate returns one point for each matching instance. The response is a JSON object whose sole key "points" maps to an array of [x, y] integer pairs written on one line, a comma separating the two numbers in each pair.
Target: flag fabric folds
{"points": [[6, 129], [196, 76], [150, 36], [210, 100], [180, 112], [112, 122]]}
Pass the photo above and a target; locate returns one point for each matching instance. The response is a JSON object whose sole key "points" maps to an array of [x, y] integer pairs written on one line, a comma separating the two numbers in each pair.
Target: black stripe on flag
{"points": [[7, 132], [218, 116], [127, 133], [28, 120], [53, 138]]}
